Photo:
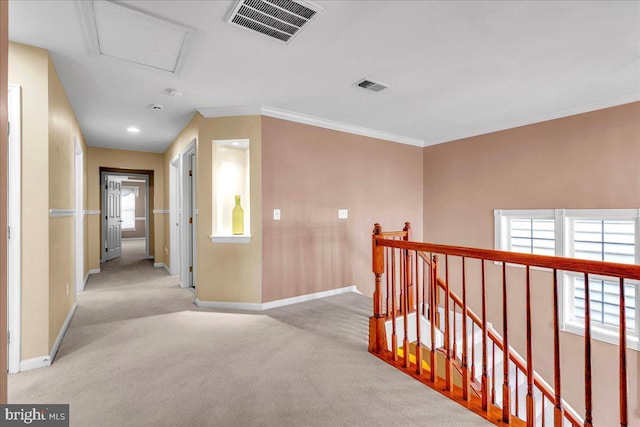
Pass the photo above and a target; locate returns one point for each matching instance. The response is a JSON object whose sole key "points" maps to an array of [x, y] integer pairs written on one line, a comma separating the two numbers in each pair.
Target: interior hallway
{"points": [[139, 352]]}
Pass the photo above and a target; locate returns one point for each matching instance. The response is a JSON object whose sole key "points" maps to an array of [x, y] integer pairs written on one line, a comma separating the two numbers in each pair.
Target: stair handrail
{"points": [[401, 241]]}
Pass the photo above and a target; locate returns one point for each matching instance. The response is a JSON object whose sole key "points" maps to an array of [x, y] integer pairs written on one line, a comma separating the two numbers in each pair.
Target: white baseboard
{"points": [[274, 304], [63, 330], [162, 265], [84, 282], [134, 238], [94, 271], [35, 363], [151, 257]]}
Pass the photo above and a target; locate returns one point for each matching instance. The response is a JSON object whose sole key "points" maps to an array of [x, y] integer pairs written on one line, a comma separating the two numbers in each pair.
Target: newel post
{"points": [[377, 333], [408, 278]]}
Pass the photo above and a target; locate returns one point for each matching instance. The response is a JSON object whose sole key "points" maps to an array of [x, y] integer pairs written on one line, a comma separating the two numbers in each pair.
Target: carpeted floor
{"points": [[140, 353]]}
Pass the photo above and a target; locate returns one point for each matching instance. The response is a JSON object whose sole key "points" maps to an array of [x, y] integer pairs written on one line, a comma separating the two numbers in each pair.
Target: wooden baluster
{"points": [[485, 377], [402, 271], [517, 406], [543, 412], [447, 327], [418, 341], [623, 358], [530, 401], [394, 305], [465, 361], [432, 309], [409, 297], [405, 312], [506, 389], [558, 410], [493, 372], [473, 351], [588, 403], [424, 289], [388, 295]]}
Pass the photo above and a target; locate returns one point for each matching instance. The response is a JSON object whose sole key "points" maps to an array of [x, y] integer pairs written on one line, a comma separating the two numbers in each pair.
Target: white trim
{"points": [[151, 257], [162, 265], [63, 330], [161, 211], [140, 218], [92, 212], [35, 363], [537, 118], [231, 239], [274, 304], [94, 271], [14, 222], [133, 238], [174, 220], [86, 279], [58, 213], [79, 221], [278, 113]]}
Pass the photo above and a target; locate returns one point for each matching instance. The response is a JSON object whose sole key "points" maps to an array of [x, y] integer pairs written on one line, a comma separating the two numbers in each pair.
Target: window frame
{"points": [[135, 192], [564, 220]]}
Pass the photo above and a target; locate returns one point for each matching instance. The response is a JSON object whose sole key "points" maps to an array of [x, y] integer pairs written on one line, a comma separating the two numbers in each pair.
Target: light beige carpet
{"points": [[140, 353]]}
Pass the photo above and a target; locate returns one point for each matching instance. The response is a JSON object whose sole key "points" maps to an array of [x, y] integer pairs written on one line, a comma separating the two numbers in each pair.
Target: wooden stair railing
{"points": [[414, 286]]}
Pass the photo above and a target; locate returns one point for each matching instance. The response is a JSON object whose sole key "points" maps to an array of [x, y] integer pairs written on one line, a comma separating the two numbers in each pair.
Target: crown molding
{"points": [[278, 113], [573, 110]]}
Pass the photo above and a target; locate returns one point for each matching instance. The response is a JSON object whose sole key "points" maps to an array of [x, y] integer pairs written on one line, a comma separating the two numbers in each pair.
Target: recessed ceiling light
{"points": [[133, 129], [236, 143], [174, 93]]}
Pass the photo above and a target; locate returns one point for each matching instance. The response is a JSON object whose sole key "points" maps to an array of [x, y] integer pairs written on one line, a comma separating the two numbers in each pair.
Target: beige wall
{"points": [[309, 173], [48, 182], [63, 130], [121, 159], [28, 67], [228, 272], [586, 161], [225, 272]]}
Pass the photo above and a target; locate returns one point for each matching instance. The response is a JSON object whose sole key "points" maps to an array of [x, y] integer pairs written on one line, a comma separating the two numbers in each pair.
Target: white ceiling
{"points": [[455, 68]]}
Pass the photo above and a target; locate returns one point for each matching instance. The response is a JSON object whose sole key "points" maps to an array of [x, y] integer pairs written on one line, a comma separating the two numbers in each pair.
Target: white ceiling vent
{"points": [[278, 19], [371, 85]]}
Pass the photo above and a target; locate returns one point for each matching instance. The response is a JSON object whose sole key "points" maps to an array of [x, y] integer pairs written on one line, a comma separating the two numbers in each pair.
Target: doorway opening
{"points": [[127, 201]]}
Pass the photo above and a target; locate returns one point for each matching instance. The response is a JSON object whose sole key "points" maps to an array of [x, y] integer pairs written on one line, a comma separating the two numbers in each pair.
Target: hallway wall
{"points": [[121, 159], [48, 182], [309, 172]]}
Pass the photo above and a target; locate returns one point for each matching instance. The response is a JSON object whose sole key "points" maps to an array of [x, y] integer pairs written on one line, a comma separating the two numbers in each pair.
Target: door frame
{"points": [[185, 196], [104, 201], [79, 225], [174, 216], [14, 267]]}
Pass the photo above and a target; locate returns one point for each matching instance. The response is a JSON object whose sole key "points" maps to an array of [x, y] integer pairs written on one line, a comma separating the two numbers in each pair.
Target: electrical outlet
{"points": [[343, 213], [276, 214]]}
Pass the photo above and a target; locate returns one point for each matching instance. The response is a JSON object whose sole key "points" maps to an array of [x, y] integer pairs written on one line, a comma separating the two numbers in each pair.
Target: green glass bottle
{"points": [[237, 217]]}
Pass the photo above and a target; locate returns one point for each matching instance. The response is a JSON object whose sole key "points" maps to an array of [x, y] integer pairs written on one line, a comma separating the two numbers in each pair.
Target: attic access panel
{"points": [[281, 20], [126, 33]]}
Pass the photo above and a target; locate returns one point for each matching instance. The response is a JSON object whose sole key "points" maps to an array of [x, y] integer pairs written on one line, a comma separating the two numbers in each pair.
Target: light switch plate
{"points": [[343, 213], [276, 214]]}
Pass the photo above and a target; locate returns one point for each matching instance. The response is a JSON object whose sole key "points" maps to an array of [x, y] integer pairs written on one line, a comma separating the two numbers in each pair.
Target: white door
{"points": [[114, 220]]}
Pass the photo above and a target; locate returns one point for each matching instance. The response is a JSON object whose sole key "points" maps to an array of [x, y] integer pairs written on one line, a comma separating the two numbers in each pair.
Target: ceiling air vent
{"points": [[279, 19], [371, 85]]}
